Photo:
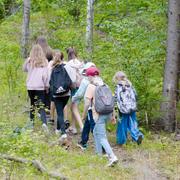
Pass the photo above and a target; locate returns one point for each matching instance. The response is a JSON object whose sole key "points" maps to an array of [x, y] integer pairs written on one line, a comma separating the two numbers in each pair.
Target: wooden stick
{"points": [[16, 159], [35, 163]]}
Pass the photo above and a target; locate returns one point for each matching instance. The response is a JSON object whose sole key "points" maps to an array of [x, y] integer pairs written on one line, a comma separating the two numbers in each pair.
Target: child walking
{"points": [[99, 131], [125, 95], [37, 82], [48, 52], [60, 84], [89, 122], [73, 67]]}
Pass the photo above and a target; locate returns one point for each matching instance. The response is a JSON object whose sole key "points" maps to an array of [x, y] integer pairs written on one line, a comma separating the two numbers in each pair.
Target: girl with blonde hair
{"points": [[37, 82], [60, 84], [126, 98], [48, 52]]}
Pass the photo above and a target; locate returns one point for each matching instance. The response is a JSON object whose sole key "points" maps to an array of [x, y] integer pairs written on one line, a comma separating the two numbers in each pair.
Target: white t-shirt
{"points": [[73, 68], [90, 94]]}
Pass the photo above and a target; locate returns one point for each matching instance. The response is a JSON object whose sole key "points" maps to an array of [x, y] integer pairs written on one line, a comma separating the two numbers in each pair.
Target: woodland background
{"points": [[129, 35]]}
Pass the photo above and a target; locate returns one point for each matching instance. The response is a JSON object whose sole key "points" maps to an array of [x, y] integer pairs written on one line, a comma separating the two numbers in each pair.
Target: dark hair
{"points": [[72, 54], [41, 40]]}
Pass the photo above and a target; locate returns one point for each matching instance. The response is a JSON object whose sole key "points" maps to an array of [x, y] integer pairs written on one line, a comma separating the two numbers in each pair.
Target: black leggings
{"points": [[37, 98], [60, 103], [47, 99]]}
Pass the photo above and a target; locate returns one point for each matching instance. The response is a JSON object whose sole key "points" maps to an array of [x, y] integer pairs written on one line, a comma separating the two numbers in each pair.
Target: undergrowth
{"points": [[128, 36]]}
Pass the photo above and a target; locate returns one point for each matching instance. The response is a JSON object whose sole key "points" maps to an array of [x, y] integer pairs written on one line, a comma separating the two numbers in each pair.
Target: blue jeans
{"points": [[88, 126], [127, 123], [100, 137]]}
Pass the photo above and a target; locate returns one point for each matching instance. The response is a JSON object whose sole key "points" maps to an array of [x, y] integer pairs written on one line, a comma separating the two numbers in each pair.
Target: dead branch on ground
{"points": [[35, 163]]}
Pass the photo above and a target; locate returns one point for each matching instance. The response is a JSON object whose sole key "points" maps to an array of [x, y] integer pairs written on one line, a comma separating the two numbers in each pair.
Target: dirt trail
{"points": [[141, 163]]}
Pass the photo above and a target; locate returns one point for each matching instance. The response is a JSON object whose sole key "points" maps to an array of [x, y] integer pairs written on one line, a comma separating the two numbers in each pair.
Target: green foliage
{"points": [[129, 36], [2, 10], [7, 7], [136, 46]]}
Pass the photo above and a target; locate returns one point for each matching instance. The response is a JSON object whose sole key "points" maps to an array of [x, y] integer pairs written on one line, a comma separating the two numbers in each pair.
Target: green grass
{"points": [[158, 150], [132, 41]]}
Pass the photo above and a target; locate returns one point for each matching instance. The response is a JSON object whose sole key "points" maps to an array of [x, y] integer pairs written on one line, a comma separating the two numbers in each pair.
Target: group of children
{"points": [[52, 82]]}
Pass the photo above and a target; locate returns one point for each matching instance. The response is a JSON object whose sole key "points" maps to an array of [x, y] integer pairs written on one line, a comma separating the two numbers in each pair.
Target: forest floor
{"points": [[146, 164], [141, 164], [157, 158]]}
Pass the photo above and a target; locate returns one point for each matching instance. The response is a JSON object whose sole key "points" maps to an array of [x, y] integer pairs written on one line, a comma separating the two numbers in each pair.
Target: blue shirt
{"points": [[81, 90]]}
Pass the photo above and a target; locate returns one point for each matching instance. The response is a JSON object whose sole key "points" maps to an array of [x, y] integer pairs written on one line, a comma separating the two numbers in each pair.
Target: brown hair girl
{"points": [[71, 52], [41, 40]]}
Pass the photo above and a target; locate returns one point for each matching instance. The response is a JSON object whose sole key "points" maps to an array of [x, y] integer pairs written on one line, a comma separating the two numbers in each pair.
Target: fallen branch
{"points": [[16, 159], [35, 163]]}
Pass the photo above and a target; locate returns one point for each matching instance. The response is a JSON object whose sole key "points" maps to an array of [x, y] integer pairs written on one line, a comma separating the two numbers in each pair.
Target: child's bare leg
{"points": [[66, 112], [76, 114]]}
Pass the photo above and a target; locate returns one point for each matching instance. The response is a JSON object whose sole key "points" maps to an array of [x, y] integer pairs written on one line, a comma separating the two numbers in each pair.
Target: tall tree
{"points": [[170, 85], [25, 28], [89, 28]]}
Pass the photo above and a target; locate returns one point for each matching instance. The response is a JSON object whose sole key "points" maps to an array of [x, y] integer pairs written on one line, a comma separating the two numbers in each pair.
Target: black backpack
{"points": [[60, 81]]}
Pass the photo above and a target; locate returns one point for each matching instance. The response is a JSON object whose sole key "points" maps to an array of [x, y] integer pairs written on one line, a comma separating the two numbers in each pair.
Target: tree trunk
{"points": [[170, 85], [117, 7], [89, 28], [25, 28]]}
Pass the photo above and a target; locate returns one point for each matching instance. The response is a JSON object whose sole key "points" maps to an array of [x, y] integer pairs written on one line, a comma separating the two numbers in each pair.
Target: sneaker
{"points": [[72, 130], [112, 161], [63, 137], [67, 124], [105, 155], [81, 130], [45, 128], [82, 146], [57, 132], [38, 115], [139, 141]]}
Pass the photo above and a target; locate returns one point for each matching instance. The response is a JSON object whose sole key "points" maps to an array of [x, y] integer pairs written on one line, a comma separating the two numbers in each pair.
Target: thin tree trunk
{"points": [[117, 7], [89, 28], [170, 85], [25, 28]]}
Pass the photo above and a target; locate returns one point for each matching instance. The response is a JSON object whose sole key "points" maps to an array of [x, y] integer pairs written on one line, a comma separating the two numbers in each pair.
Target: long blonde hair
{"points": [[121, 76], [57, 58], [37, 57], [41, 40]]}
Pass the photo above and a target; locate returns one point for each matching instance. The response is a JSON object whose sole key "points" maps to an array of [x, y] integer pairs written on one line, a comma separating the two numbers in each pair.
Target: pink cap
{"points": [[92, 71]]}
